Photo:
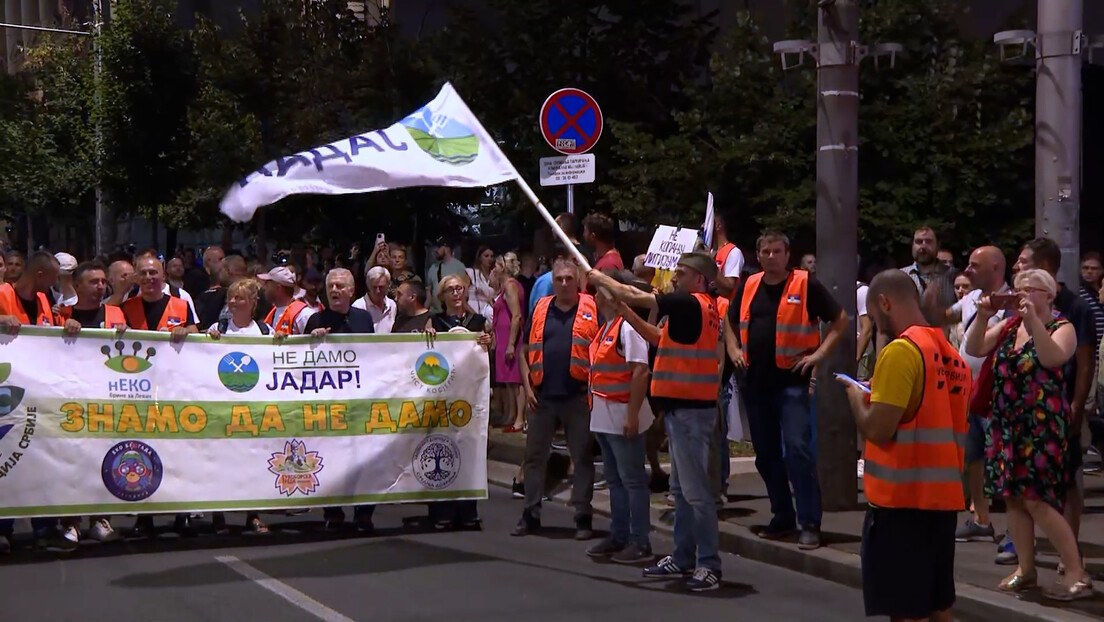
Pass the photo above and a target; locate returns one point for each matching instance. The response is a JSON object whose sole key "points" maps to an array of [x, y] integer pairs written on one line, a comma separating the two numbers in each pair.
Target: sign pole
{"points": [[570, 198]]}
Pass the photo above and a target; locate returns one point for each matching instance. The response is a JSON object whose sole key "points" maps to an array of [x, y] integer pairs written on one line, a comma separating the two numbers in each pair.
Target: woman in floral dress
{"points": [[1027, 444]]}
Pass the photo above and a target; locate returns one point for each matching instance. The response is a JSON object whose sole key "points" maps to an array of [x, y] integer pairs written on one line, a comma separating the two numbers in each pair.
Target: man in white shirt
{"points": [[986, 272], [66, 294], [620, 413], [376, 301], [729, 258], [864, 352]]}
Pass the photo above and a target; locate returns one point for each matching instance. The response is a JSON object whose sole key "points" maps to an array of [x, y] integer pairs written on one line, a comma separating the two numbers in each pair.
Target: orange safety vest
{"points": [[722, 255], [722, 304], [583, 331], [794, 335], [921, 468], [287, 319], [113, 316], [610, 374], [176, 314], [9, 300], [689, 372]]}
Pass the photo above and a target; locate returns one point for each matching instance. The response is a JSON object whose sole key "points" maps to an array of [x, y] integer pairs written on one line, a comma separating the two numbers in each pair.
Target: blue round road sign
{"points": [[571, 121]]}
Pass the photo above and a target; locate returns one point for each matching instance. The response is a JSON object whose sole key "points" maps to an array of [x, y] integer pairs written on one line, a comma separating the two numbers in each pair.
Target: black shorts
{"points": [[908, 562]]}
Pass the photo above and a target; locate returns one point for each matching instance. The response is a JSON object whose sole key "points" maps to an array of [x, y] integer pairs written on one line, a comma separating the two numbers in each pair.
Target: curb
{"points": [[973, 603]]}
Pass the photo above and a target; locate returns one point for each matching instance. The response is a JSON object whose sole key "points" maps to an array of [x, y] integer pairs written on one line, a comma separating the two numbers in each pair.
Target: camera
{"points": [[281, 258]]}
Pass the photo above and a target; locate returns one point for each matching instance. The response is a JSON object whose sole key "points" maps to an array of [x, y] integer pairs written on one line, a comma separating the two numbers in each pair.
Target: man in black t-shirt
{"points": [[773, 333], [90, 282]]}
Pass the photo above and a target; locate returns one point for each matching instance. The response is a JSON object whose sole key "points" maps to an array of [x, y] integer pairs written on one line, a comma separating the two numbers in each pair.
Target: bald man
{"points": [[986, 271], [911, 417]]}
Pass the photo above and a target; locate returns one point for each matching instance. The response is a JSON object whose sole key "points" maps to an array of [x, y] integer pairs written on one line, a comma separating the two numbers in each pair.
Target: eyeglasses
{"points": [[455, 289]]}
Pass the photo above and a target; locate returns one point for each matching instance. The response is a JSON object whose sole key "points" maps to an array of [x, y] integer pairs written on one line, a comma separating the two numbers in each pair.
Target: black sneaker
{"points": [[809, 539], [364, 525], [183, 526], [525, 527], [666, 569], [333, 521], [559, 445], [5, 545], [775, 531], [660, 482], [703, 580], [633, 554], [143, 529], [605, 548], [517, 491]]}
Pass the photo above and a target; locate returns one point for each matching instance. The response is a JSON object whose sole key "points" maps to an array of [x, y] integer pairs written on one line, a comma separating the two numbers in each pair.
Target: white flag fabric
{"points": [[707, 226], [440, 144]]}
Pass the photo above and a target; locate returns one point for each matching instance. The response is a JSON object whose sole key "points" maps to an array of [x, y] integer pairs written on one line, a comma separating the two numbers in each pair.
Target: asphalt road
{"points": [[401, 573]]}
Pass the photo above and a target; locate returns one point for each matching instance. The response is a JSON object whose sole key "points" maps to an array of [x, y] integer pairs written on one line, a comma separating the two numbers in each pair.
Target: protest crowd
{"points": [[972, 389]]}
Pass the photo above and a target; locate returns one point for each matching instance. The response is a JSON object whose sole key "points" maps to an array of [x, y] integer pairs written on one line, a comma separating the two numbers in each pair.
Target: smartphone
{"points": [[379, 238], [850, 380], [1004, 301]]}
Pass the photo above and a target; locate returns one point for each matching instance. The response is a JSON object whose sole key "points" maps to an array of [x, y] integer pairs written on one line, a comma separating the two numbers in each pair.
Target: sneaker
{"points": [[526, 526], [970, 531], [70, 539], [102, 531], [333, 521], [5, 545], [809, 539], [559, 445], [364, 524], [606, 548], [666, 569], [703, 580], [1006, 554], [143, 529], [517, 491], [583, 531], [633, 554], [776, 531], [601, 484]]}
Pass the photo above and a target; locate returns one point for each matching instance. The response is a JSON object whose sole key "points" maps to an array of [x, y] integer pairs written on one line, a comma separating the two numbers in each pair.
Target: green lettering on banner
{"points": [[146, 419]]}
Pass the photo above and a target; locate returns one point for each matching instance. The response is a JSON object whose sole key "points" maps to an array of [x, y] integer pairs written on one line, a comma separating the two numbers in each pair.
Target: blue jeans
{"points": [[777, 417], [623, 465], [722, 435], [690, 431], [40, 526]]}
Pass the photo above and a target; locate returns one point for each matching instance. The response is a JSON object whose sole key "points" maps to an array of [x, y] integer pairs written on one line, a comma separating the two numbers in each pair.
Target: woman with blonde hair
{"points": [[1026, 449], [457, 316], [508, 314], [241, 302]]}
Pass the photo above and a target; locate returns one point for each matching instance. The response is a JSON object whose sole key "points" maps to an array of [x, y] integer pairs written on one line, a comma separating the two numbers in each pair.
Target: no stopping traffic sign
{"points": [[571, 121]]}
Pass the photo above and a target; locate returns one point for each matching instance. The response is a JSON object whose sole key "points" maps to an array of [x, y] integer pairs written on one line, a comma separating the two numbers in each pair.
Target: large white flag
{"points": [[440, 144]]}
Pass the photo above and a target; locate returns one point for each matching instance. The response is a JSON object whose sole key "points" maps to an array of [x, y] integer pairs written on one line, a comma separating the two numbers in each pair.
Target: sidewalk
{"points": [[838, 560]]}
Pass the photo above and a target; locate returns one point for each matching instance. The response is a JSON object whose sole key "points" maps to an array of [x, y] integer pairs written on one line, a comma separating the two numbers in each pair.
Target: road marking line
{"points": [[283, 590]]}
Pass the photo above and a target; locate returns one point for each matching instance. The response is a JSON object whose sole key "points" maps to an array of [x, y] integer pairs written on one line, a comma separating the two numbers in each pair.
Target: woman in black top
{"points": [[457, 317]]}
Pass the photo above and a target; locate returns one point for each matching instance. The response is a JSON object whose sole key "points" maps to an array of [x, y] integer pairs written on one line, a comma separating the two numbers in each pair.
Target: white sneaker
{"points": [[102, 531], [72, 534], [862, 466]]}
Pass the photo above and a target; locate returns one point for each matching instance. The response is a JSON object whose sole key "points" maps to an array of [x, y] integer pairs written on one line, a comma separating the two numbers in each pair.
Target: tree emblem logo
{"points": [[444, 139], [10, 398], [125, 363], [436, 462], [238, 372], [432, 368]]}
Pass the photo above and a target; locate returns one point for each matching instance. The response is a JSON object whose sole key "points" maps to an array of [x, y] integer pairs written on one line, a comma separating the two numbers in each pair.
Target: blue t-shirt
{"points": [[541, 288]]}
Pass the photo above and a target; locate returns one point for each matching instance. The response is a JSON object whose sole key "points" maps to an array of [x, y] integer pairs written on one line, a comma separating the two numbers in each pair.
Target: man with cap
{"points": [[288, 315], [685, 384], [65, 293], [445, 265], [773, 332]]}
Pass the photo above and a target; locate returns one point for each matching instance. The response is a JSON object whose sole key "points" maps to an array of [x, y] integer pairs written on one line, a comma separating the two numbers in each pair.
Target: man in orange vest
{"points": [[555, 369], [773, 333], [729, 258], [619, 416], [914, 422], [685, 384], [90, 282], [29, 300], [288, 315]]}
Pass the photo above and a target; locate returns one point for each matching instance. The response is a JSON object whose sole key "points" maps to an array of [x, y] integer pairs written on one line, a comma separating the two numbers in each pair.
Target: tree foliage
{"points": [[946, 135]]}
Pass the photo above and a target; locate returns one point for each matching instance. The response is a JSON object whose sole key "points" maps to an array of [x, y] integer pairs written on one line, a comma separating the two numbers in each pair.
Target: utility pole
{"points": [[104, 237], [838, 54]]}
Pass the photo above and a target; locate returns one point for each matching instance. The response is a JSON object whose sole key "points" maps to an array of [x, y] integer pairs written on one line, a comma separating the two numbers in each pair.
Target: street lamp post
{"points": [[837, 53]]}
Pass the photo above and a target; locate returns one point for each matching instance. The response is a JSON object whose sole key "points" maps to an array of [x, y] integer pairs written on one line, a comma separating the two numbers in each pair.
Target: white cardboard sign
{"points": [[667, 245]]}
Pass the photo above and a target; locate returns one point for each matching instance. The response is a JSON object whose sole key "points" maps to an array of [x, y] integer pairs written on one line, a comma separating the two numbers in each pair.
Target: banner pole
{"points": [[552, 223]]}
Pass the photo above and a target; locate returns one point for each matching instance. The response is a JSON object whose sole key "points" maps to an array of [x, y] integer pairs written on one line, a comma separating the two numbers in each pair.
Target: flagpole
{"points": [[552, 223]]}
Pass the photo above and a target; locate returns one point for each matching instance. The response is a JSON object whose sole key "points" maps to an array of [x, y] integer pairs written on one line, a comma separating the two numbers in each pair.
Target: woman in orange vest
{"points": [[619, 416], [914, 420], [685, 383]]}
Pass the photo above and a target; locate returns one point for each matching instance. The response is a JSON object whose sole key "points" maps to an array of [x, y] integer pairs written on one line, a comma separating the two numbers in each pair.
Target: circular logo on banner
{"points": [[132, 471], [432, 368], [238, 372], [436, 461], [444, 139]]}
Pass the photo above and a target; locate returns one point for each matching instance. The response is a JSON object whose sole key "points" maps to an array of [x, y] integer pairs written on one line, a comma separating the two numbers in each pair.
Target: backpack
{"points": [[224, 323]]}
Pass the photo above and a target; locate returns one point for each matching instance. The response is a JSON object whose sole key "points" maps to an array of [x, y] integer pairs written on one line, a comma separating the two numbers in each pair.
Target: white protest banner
{"points": [[667, 245], [440, 144], [102, 424]]}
